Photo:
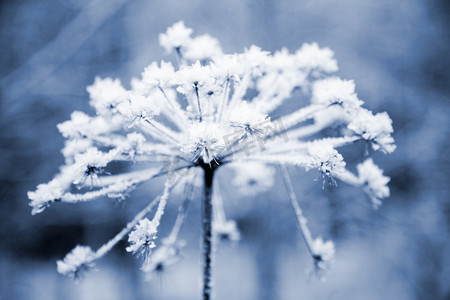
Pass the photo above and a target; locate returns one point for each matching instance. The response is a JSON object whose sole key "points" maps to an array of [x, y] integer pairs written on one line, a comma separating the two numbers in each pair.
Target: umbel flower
{"points": [[213, 111]]}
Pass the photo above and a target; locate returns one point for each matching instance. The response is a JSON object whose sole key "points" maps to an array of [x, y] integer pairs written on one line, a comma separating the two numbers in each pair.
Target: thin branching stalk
{"points": [[200, 118], [302, 222], [182, 212], [224, 100], [180, 58], [110, 244]]}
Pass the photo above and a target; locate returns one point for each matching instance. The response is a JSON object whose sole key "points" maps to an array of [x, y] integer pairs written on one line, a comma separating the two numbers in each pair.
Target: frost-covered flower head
{"points": [[212, 110], [326, 160], [323, 254], [227, 230], [165, 255], [142, 239], [373, 181], [176, 36], [78, 260], [376, 129]]}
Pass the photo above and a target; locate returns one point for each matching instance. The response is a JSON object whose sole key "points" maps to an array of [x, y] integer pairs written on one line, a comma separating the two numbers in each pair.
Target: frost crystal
{"points": [[376, 129], [106, 94], [203, 47], [373, 181], [323, 253], [79, 259], [165, 255], [142, 238], [326, 159], [335, 91], [176, 36], [44, 194], [209, 111], [227, 230], [312, 57], [156, 76]]}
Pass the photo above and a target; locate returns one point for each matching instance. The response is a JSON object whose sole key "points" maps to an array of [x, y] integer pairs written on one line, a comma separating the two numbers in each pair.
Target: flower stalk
{"points": [[207, 221]]}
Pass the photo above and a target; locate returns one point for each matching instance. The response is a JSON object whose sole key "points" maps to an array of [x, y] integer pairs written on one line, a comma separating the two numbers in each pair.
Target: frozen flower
{"points": [[203, 141], [226, 230], [323, 253], [248, 121], [227, 67], [165, 255], [134, 145], [326, 159], [193, 78], [157, 76], [203, 47], [138, 108], [78, 260], [89, 164], [204, 115], [376, 129], [142, 238], [253, 178], [175, 37], [106, 94], [82, 125], [255, 59], [73, 147], [44, 194], [310, 56], [374, 182], [334, 90]]}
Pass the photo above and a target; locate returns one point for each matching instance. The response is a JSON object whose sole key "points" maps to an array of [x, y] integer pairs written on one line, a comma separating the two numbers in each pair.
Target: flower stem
{"points": [[207, 214], [302, 222], [198, 103]]}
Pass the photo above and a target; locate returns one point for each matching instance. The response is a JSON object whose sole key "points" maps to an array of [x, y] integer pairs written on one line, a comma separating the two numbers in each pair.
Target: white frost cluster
{"points": [[212, 110], [176, 36], [227, 230], [373, 181], [165, 255], [334, 90], [326, 159], [203, 47], [142, 238], [376, 129], [323, 253], [79, 259]]}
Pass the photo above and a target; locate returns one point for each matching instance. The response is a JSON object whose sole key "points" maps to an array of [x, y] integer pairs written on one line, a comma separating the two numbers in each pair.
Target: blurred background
{"points": [[396, 51]]}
